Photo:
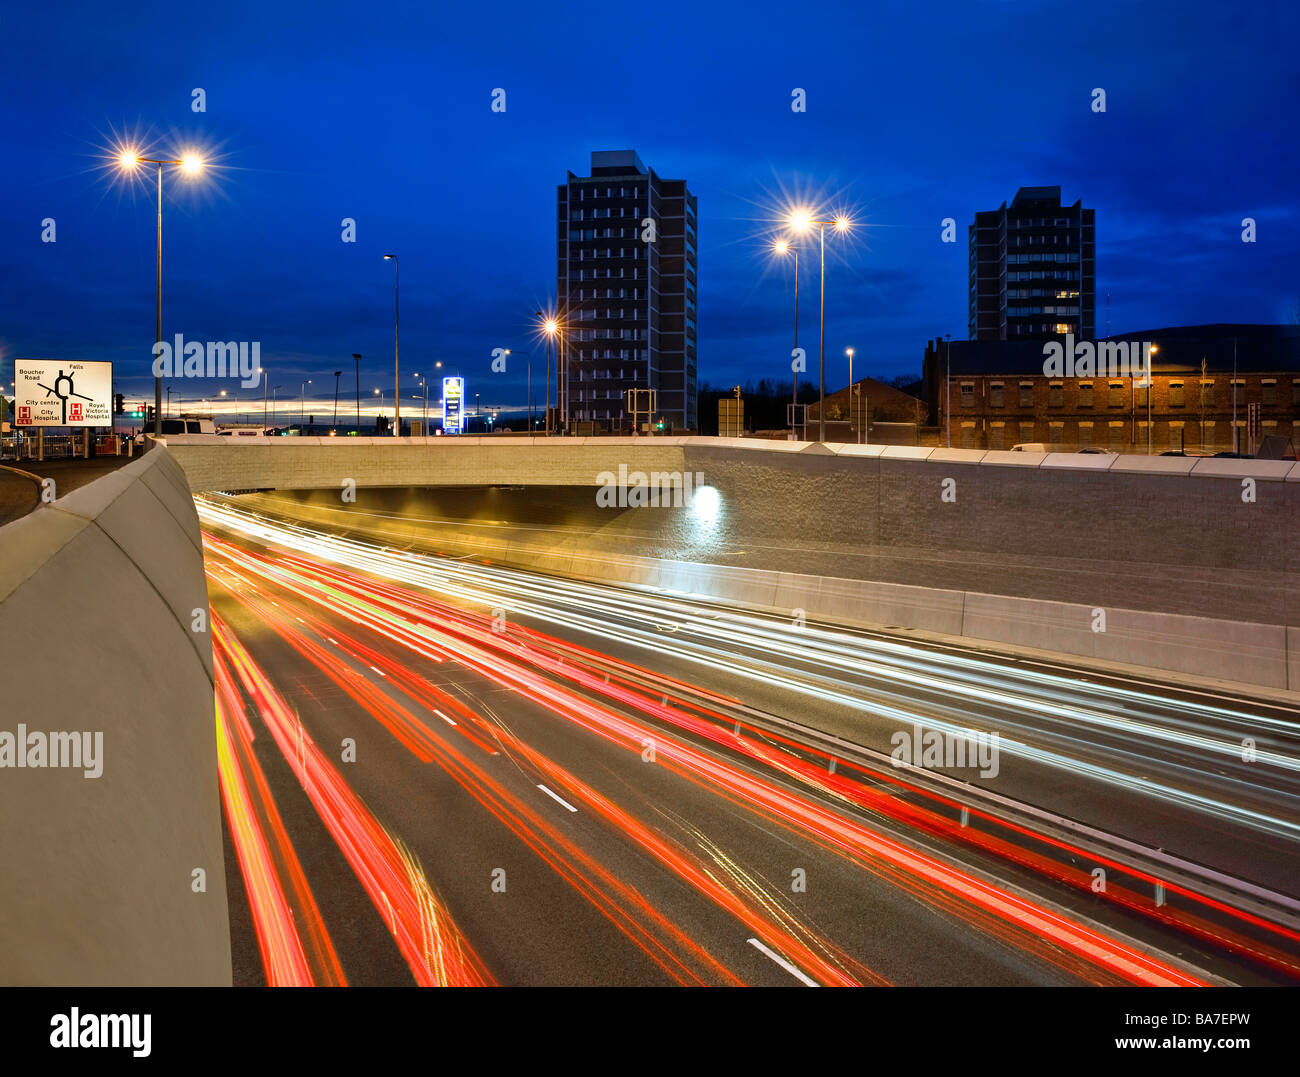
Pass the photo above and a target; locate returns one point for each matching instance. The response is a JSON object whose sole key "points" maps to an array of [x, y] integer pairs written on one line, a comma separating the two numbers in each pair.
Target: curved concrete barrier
{"points": [[1259, 654], [111, 860]]}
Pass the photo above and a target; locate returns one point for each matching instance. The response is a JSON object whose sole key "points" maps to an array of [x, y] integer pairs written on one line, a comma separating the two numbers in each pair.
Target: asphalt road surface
{"points": [[438, 771]]}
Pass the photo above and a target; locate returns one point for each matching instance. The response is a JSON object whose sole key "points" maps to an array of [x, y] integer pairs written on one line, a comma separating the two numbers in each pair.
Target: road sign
{"points": [[453, 411], [63, 392]]}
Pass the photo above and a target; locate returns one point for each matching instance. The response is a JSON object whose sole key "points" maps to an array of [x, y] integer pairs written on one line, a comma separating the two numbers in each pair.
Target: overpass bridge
{"points": [[1192, 563]]}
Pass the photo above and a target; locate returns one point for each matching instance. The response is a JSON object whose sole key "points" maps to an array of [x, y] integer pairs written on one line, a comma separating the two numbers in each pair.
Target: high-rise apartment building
{"points": [[1033, 269], [626, 250]]}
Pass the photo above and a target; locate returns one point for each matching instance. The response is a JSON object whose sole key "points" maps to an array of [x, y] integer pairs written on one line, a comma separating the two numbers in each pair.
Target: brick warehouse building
{"points": [[998, 395]]}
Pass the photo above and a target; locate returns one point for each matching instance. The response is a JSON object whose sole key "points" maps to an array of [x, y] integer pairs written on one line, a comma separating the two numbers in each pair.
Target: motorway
{"points": [[443, 771]]}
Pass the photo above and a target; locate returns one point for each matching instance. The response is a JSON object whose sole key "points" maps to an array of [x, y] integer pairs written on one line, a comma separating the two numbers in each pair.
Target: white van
{"points": [[187, 425], [1030, 446]]}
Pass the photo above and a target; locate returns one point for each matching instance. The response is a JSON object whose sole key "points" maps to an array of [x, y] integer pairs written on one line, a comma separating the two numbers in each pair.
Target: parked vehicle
{"points": [[1186, 452], [1030, 446], [1097, 450], [188, 424]]}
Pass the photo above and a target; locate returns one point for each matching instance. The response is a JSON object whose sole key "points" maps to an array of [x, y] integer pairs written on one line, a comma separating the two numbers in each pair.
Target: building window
{"points": [[1295, 392], [1027, 431], [968, 435], [1268, 388], [997, 435], [1026, 394], [995, 394], [1085, 434], [1085, 394], [1175, 394], [1207, 393], [1056, 433], [1207, 435], [1115, 398], [1116, 436], [1055, 394], [968, 394]]}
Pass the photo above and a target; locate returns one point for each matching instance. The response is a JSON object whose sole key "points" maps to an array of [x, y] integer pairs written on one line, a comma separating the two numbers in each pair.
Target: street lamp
{"points": [[555, 332], [302, 408], [425, 382], [275, 402], [337, 374], [379, 393], [191, 164], [785, 247], [852, 402], [356, 358], [948, 396], [397, 368], [801, 221]]}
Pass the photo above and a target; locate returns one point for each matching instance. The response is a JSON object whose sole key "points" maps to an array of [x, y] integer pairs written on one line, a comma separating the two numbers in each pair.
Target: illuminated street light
{"points": [[801, 221], [555, 333], [191, 164]]}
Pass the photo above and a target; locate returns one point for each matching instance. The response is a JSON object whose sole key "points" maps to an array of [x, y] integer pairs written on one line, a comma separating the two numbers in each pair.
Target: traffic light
{"points": [[119, 404], [148, 416]]}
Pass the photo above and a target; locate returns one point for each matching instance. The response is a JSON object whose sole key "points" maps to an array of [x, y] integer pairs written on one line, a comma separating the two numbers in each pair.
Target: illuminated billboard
{"points": [[453, 410]]}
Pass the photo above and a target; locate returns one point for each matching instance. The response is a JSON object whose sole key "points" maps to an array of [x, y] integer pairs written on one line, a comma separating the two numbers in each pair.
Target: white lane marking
{"points": [[558, 800], [443, 716], [796, 973], [380, 672]]}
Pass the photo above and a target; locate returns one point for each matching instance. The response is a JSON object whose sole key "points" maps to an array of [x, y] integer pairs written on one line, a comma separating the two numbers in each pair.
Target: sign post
{"points": [[453, 409]]}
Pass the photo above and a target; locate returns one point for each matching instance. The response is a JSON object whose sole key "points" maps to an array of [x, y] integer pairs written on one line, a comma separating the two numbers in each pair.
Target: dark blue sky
{"points": [[381, 112]]}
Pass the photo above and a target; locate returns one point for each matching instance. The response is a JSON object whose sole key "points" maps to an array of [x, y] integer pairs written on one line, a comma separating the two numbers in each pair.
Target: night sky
{"points": [[381, 112]]}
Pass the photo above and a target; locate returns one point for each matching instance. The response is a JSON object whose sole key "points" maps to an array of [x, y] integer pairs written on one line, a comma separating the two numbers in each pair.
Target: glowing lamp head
{"points": [[551, 326], [841, 224], [192, 163], [848, 352], [128, 159], [800, 220], [781, 247]]}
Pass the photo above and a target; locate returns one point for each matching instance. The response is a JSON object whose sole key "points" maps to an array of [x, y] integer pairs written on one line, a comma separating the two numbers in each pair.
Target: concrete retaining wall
{"points": [[1250, 653], [96, 598]]}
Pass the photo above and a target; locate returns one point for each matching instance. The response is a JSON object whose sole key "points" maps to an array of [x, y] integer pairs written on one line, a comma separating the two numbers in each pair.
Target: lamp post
{"points": [[784, 247], [356, 359], [397, 367], [302, 408], [275, 402], [337, 374], [801, 221], [551, 327], [191, 164], [1150, 386], [947, 396], [379, 393], [852, 394]]}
